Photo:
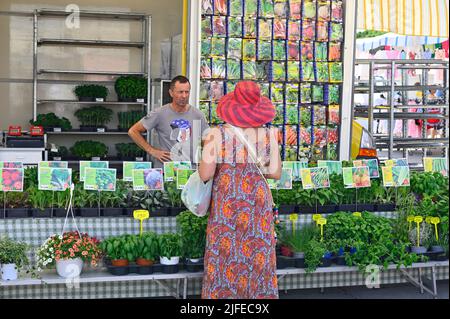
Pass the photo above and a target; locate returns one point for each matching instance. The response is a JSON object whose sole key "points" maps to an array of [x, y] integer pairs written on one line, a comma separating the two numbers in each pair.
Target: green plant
{"points": [[121, 247], [428, 183], [15, 199], [193, 234], [89, 149], [61, 152], [405, 208], [115, 198], [39, 198], [30, 176], [128, 150], [298, 241], [173, 193], [62, 199], [169, 245], [128, 119], [425, 234], [96, 116], [147, 246], [149, 200], [131, 87], [51, 120], [85, 199], [315, 250], [92, 90], [12, 252]]}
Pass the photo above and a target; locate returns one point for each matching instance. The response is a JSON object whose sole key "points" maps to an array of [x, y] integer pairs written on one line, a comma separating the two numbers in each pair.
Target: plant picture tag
{"points": [[396, 162], [54, 164], [57, 129], [183, 177], [100, 179], [272, 183], [170, 169], [96, 159], [100, 130], [356, 177], [99, 99], [128, 168], [435, 164], [395, 176], [11, 165], [314, 178], [372, 164], [11, 179], [285, 181], [140, 100], [93, 164], [334, 167], [295, 166], [141, 215], [148, 179], [54, 179]]}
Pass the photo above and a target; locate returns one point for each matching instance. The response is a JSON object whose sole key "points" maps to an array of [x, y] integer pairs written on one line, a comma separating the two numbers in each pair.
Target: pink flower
{"points": [[72, 255], [84, 253]]}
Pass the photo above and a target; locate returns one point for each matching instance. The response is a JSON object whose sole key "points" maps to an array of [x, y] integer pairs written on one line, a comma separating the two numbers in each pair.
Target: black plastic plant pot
{"points": [[170, 269], [326, 209], [127, 99], [286, 209], [326, 262], [144, 270], [340, 260], [306, 210], [129, 211], [61, 212], [285, 262], [37, 213], [17, 213], [347, 208], [85, 128], [437, 249], [157, 267], [299, 262], [366, 207], [88, 212], [160, 212], [111, 211], [118, 271], [86, 99], [175, 211], [385, 207], [193, 267], [440, 257]]}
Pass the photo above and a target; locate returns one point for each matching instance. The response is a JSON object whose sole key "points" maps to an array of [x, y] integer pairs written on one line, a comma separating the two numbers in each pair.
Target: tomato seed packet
{"points": [[307, 51], [220, 7], [305, 135], [334, 115], [295, 7], [334, 53], [293, 50]]}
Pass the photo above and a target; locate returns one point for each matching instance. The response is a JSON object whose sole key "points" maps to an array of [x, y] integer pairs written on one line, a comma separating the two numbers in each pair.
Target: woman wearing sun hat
{"points": [[240, 261]]}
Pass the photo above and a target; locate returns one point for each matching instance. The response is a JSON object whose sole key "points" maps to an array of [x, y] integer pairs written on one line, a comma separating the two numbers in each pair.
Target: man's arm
{"points": [[135, 132]]}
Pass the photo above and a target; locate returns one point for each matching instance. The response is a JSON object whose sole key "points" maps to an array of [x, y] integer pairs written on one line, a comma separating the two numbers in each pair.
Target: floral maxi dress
{"points": [[240, 261]]}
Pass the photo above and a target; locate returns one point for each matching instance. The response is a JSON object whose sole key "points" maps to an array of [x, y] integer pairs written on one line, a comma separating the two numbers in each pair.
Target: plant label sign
{"points": [[272, 183], [148, 179], [92, 164], [396, 162], [372, 164], [11, 179], [395, 176], [128, 168], [435, 164], [285, 181], [54, 164], [316, 177], [296, 166], [54, 179], [100, 179], [11, 165], [141, 215], [334, 167], [356, 177], [170, 169], [183, 177]]}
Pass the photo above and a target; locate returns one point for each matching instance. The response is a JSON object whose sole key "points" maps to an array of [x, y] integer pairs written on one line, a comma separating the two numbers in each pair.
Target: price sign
{"points": [[357, 214], [293, 218], [418, 220], [321, 221], [435, 221], [141, 215]]}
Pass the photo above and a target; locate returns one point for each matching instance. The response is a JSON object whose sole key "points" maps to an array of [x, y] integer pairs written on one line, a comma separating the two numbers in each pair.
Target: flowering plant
{"points": [[69, 245]]}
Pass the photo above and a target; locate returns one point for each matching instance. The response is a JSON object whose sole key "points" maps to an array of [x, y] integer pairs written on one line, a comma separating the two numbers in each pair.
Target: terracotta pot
{"points": [[144, 262], [119, 262]]}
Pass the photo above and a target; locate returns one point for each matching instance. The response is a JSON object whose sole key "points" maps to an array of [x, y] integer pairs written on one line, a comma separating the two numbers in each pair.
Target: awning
{"points": [[408, 17], [396, 40]]}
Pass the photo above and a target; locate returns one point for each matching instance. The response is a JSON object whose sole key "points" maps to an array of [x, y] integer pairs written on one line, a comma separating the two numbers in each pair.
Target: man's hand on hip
{"points": [[162, 156]]}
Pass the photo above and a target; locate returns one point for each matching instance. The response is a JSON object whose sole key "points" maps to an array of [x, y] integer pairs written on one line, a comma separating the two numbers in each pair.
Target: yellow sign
{"points": [[428, 164], [293, 218], [316, 217], [357, 214], [141, 215], [435, 221], [390, 163], [321, 221], [410, 219], [418, 220], [428, 219]]}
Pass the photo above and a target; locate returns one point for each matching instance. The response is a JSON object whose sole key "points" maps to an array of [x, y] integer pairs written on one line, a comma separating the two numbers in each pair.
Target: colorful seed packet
{"points": [[250, 28], [334, 94], [262, 70], [336, 11], [292, 94], [264, 50], [323, 11], [395, 176], [307, 49], [337, 32], [236, 8], [11, 179], [320, 115], [233, 69], [265, 89], [305, 135], [231, 85], [279, 50], [322, 31], [372, 164], [279, 114], [334, 115], [293, 74], [219, 26], [279, 28], [291, 113], [320, 136], [235, 27], [251, 8], [216, 90], [204, 90], [206, 47], [305, 116], [234, 48], [220, 7], [294, 30], [54, 164], [54, 179], [308, 71], [249, 50], [281, 8], [129, 166], [100, 179], [278, 71], [435, 164], [264, 29], [218, 68], [305, 93], [183, 177], [204, 108], [293, 51], [308, 30], [332, 152], [317, 93], [291, 135], [92, 164], [295, 7], [309, 9], [336, 73], [207, 7], [218, 47], [249, 68], [148, 179], [334, 167], [206, 26], [266, 8], [356, 177], [322, 72], [321, 51], [291, 153], [315, 178], [205, 68], [277, 92], [295, 166], [214, 117], [334, 52], [396, 162]]}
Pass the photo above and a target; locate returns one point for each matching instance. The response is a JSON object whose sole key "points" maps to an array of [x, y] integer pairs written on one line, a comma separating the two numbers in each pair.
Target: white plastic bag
{"points": [[196, 195]]}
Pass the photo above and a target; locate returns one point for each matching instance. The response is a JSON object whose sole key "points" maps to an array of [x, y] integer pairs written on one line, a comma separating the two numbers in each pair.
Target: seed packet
{"points": [[294, 30], [281, 9], [265, 89], [291, 135], [277, 92], [291, 113], [266, 8], [231, 85], [332, 154], [205, 90], [333, 94], [216, 90], [308, 30], [262, 70], [264, 50], [236, 8], [204, 108], [278, 71], [305, 93], [332, 135], [205, 68], [233, 69], [279, 50], [337, 32], [320, 115], [206, 47], [334, 53], [234, 27], [249, 49], [305, 116], [279, 28], [220, 7], [336, 10], [214, 118], [320, 136], [305, 135], [317, 93], [219, 26], [265, 29], [207, 30], [323, 11], [218, 47], [322, 31], [322, 71], [291, 154], [293, 71], [234, 48], [218, 68], [295, 7], [293, 50], [250, 28], [335, 71], [318, 153], [207, 7], [251, 8], [279, 115], [249, 68], [333, 115], [321, 51], [304, 152], [308, 71], [292, 93], [307, 51], [309, 9]]}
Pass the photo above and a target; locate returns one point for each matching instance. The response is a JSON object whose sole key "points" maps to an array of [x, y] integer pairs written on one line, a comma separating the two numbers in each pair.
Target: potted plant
{"points": [[170, 252], [131, 88], [12, 258], [174, 195], [147, 252], [120, 251], [128, 119], [93, 118], [14, 205], [285, 199], [316, 255], [87, 202], [40, 201], [50, 122], [130, 152], [298, 242], [61, 203], [305, 201], [418, 245], [58, 154], [111, 202], [91, 93], [153, 201], [89, 150], [68, 252]]}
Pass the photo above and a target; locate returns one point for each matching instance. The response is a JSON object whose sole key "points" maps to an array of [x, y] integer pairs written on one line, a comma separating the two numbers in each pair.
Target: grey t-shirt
{"points": [[179, 133]]}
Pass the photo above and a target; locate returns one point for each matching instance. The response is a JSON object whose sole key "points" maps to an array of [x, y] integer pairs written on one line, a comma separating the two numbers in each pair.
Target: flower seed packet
{"points": [[293, 50], [317, 93], [251, 8], [337, 32], [320, 115], [279, 28], [334, 54], [279, 71], [54, 164], [205, 68], [218, 47], [93, 164], [292, 94], [321, 51], [320, 136], [249, 68], [323, 11], [307, 50], [334, 94], [265, 89], [295, 7], [336, 10], [334, 115], [11, 179], [332, 135], [233, 69], [205, 88], [291, 113], [183, 177], [308, 71], [322, 31], [54, 179], [262, 70], [322, 71], [236, 8], [235, 27], [277, 90], [100, 179], [336, 72], [264, 50], [281, 8], [128, 168], [250, 28], [279, 50], [207, 30], [294, 30], [291, 135], [214, 118], [220, 7], [206, 47], [216, 90], [305, 135], [293, 71], [218, 68], [207, 7], [148, 179], [332, 153], [279, 115], [308, 30], [305, 116], [305, 93], [309, 9], [234, 48], [204, 108], [265, 29], [266, 8], [249, 49], [219, 26]]}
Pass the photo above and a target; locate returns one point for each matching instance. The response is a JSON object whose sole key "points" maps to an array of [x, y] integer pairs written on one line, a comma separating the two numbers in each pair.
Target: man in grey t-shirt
{"points": [[179, 126]]}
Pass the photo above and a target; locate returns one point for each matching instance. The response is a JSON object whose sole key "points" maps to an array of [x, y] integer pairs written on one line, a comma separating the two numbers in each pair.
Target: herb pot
{"points": [[420, 250], [37, 213], [118, 271], [111, 211], [326, 262], [194, 265], [69, 268], [119, 262], [17, 213], [89, 212], [286, 251], [385, 207], [86, 99], [299, 255], [175, 211], [169, 261], [170, 269], [287, 209], [306, 210], [144, 262], [299, 262], [9, 272]]}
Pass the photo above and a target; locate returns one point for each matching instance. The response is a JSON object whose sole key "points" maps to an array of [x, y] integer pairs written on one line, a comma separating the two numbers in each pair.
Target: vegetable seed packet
{"points": [[321, 51], [295, 7], [322, 31], [305, 93], [279, 50], [207, 30], [220, 7], [337, 31], [236, 8], [334, 94], [218, 68], [206, 47], [265, 89], [322, 71], [233, 69], [205, 68], [214, 118], [218, 47], [219, 26], [264, 50], [293, 71], [249, 68], [281, 8], [231, 85], [290, 154], [250, 8], [277, 92], [332, 135], [266, 8], [333, 115], [292, 93], [293, 50], [207, 7], [323, 11], [204, 108], [262, 70], [334, 53], [234, 48], [234, 27], [279, 28], [292, 113], [320, 136], [308, 30], [205, 90], [249, 49], [317, 93], [309, 9], [307, 51], [336, 10], [278, 71], [305, 135], [308, 71], [279, 115], [216, 90], [320, 115], [265, 29], [294, 30], [335, 71], [291, 135], [305, 116], [249, 28]]}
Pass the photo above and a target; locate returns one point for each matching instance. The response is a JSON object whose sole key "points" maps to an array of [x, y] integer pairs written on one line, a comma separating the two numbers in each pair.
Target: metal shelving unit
{"points": [[144, 44], [400, 112]]}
